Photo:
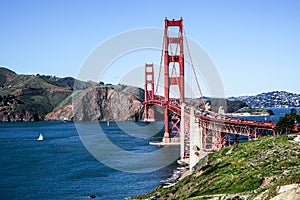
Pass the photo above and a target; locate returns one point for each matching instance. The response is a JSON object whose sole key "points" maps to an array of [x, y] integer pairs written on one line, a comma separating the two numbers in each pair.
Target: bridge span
{"points": [[197, 130]]}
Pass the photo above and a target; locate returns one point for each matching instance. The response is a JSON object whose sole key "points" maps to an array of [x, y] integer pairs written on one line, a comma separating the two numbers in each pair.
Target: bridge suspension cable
{"points": [[174, 68], [193, 67], [160, 64], [212, 131], [160, 67]]}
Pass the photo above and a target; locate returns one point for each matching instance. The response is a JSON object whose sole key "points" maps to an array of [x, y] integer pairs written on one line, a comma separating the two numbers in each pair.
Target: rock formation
{"points": [[100, 103]]}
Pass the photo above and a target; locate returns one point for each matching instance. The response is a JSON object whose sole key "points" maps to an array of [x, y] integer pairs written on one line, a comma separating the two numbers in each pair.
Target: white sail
{"points": [[41, 137]]}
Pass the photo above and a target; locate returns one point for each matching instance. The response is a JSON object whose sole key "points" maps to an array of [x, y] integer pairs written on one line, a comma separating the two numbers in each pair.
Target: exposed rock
{"points": [[101, 103], [263, 195], [297, 139], [130, 90], [19, 115], [288, 192], [62, 113], [267, 180]]}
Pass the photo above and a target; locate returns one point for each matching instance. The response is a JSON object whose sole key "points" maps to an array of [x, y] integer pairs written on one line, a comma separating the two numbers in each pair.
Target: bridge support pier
{"points": [[182, 132], [195, 140], [166, 138]]}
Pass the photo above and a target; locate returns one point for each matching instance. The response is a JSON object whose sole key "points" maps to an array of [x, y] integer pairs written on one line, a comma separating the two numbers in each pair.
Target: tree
{"points": [[286, 123]]}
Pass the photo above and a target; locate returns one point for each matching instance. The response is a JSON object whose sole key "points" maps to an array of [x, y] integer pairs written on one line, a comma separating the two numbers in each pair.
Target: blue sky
{"points": [[255, 45]]}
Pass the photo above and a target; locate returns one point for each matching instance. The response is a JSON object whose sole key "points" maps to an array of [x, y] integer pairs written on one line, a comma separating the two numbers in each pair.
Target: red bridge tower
{"points": [[173, 59], [149, 92]]}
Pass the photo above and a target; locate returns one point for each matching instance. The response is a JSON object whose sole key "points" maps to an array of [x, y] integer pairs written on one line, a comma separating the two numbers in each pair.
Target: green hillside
{"points": [[28, 93], [249, 168], [36, 102], [69, 82], [29, 81], [6, 75], [229, 106], [41, 102]]}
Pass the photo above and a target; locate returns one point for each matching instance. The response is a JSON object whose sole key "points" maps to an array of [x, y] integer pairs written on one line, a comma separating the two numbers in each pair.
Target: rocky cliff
{"points": [[100, 103]]}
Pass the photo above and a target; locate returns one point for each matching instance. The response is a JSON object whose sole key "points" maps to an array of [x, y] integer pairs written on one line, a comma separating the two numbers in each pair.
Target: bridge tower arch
{"points": [[172, 58], [149, 92]]}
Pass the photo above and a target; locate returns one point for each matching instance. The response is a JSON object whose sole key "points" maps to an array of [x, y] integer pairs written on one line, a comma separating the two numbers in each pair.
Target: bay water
{"points": [[60, 166]]}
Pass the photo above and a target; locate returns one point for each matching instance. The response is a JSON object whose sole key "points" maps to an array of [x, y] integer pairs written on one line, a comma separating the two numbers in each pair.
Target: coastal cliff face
{"points": [[38, 97], [100, 103], [20, 115]]}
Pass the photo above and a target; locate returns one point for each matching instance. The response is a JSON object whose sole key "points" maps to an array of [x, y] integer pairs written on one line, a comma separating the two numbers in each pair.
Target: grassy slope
{"points": [[30, 81], [240, 169], [5, 75], [41, 102], [33, 96], [10, 87]]}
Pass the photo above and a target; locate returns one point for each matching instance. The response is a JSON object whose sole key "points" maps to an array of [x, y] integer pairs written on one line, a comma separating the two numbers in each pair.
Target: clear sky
{"points": [[255, 44]]}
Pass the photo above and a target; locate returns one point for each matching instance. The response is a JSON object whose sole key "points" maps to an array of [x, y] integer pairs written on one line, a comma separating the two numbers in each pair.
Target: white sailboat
{"points": [[41, 137]]}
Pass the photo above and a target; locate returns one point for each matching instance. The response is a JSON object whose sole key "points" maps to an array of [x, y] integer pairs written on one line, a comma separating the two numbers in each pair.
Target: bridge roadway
{"points": [[212, 117]]}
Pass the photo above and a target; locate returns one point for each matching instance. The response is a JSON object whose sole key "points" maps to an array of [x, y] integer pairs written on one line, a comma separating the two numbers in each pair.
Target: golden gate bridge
{"points": [[195, 129]]}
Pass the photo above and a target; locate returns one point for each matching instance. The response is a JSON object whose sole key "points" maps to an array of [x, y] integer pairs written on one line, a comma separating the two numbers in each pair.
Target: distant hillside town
{"points": [[276, 99]]}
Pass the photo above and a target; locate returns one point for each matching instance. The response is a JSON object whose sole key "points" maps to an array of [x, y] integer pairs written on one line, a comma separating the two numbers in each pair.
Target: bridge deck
{"points": [[214, 117]]}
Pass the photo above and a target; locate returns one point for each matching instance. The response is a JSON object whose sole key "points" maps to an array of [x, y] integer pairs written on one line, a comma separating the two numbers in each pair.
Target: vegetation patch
{"points": [[248, 168]]}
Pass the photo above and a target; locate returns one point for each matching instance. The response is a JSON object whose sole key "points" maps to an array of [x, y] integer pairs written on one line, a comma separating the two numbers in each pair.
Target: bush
{"points": [[287, 122]]}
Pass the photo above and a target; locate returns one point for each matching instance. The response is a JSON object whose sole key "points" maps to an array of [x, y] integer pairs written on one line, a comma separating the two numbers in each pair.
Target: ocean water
{"points": [[278, 112], [60, 167]]}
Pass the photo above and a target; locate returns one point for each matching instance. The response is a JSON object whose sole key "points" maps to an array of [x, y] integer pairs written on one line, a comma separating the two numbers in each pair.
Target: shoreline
{"points": [[246, 114], [178, 174], [241, 185]]}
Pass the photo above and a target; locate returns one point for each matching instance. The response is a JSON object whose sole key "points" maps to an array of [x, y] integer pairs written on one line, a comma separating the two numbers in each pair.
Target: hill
{"points": [[229, 106], [6, 75], [40, 97], [69, 82], [29, 98], [270, 99], [259, 169], [29, 82]]}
